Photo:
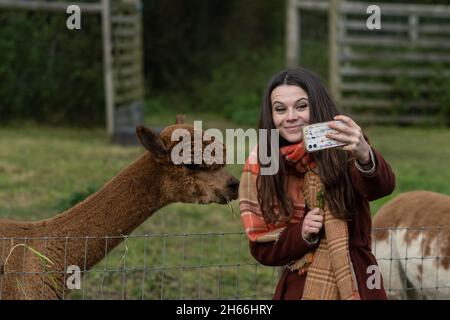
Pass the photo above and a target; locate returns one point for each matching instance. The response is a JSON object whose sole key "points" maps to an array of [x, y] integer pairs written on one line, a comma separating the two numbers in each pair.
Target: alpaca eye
{"points": [[192, 166]]}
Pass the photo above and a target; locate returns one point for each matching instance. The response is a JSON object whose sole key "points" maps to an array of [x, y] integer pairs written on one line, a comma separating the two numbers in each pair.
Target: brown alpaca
{"points": [[414, 262], [148, 184]]}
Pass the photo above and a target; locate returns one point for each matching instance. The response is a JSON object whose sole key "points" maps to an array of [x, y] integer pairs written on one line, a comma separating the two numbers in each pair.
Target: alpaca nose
{"points": [[233, 183]]}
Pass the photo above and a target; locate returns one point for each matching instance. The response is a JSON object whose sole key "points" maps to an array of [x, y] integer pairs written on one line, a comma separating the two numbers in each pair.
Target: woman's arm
{"points": [[375, 185], [290, 246]]}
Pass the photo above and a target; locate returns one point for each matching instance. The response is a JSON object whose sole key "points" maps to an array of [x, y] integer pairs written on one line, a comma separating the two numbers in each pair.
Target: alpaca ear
{"points": [[151, 141], [180, 118]]}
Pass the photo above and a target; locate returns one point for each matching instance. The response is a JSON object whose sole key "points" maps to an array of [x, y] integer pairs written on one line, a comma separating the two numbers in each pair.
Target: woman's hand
{"points": [[351, 134], [312, 224]]}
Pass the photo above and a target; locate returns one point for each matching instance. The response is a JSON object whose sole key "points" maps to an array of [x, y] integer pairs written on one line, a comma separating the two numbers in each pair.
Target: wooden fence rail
{"points": [[59, 6]]}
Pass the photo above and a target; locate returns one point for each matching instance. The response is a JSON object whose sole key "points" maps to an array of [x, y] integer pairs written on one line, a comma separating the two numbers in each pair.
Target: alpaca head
{"points": [[205, 182]]}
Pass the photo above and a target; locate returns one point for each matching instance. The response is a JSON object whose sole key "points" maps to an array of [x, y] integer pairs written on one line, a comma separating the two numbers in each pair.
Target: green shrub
{"points": [[48, 73]]}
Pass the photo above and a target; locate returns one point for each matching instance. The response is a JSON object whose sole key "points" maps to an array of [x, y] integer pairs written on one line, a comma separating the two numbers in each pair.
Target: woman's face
{"points": [[290, 111]]}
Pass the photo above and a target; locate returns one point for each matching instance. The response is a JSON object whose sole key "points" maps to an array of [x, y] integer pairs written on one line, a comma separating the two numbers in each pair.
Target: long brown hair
{"points": [[332, 164]]}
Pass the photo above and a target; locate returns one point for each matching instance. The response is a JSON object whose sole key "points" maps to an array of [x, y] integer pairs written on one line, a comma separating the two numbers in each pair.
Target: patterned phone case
{"points": [[315, 139]]}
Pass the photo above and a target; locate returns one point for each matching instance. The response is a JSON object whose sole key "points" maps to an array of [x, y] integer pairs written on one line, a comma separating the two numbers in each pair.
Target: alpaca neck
{"points": [[115, 210]]}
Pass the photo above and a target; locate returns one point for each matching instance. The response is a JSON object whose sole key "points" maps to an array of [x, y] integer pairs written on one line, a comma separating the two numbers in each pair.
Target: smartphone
{"points": [[315, 138]]}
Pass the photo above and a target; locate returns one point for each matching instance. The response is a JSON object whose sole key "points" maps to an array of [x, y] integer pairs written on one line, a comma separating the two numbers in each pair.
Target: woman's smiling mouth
{"points": [[293, 129]]}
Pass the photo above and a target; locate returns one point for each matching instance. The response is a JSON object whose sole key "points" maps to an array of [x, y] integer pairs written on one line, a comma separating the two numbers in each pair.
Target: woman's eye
{"points": [[302, 106], [280, 109]]}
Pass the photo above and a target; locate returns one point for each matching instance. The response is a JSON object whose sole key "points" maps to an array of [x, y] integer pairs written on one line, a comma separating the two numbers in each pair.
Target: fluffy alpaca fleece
{"points": [[414, 252]]}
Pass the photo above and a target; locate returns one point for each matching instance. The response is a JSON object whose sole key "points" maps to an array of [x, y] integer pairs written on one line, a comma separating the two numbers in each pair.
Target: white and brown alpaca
{"points": [[148, 184], [414, 253]]}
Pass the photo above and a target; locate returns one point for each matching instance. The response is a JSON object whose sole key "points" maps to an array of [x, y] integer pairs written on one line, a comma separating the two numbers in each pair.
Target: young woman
{"points": [[313, 215]]}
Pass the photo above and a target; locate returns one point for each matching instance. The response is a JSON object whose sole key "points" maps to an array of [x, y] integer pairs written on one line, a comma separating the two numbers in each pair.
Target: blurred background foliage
{"points": [[214, 56]]}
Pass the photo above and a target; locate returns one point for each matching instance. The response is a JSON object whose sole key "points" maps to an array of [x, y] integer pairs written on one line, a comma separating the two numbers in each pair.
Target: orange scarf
{"points": [[255, 226]]}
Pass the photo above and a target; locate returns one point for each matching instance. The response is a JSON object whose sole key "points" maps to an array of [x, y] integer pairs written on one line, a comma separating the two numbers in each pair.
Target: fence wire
{"points": [[414, 261], [414, 264], [149, 266]]}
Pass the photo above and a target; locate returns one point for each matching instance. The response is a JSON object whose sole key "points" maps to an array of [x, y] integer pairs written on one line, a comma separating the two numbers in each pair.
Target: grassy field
{"points": [[190, 251]]}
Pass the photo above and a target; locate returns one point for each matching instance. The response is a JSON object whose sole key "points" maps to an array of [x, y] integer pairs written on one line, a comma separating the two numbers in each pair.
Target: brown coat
{"points": [[291, 246]]}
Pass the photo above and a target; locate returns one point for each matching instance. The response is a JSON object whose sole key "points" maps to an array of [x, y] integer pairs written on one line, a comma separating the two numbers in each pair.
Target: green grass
{"points": [[43, 170], [419, 158], [41, 166]]}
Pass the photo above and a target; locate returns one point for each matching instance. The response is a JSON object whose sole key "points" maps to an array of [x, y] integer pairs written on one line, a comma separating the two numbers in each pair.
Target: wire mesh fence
{"points": [[414, 264], [150, 266], [414, 261]]}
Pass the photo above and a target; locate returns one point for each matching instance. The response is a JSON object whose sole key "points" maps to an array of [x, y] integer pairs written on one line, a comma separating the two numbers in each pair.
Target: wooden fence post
{"points": [[334, 24], [108, 72], [413, 28], [292, 33]]}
